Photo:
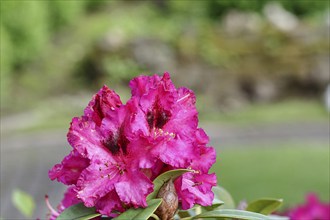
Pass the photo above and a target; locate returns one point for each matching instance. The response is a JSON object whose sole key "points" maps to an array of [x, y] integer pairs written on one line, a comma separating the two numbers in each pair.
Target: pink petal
{"points": [[133, 188], [195, 188], [69, 170], [201, 137], [103, 102], [85, 137], [96, 181], [183, 114], [206, 159], [109, 203], [140, 85], [175, 151], [312, 209], [70, 198]]}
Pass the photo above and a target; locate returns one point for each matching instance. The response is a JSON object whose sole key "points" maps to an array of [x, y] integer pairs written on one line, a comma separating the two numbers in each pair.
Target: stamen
{"points": [[184, 97], [51, 209]]}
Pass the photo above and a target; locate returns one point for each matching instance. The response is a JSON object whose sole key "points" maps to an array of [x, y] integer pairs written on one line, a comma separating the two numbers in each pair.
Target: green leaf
{"points": [[91, 216], [23, 202], [277, 217], [264, 206], [222, 195], [232, 213], [140, 213], [78, 212], [188, 212], [215, 204], [163, 178]]}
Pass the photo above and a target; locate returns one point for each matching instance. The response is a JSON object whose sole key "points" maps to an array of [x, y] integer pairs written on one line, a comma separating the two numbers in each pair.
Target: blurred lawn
{"points": [[283, 170], [294, 110]]}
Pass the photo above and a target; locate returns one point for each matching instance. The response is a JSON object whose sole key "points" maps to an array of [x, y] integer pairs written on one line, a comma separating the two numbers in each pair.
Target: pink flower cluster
{"points": [[313, 209], [119, 149]]}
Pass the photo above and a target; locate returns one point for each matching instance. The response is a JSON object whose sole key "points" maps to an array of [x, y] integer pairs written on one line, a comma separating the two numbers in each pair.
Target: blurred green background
{"points": [[252, 63]]}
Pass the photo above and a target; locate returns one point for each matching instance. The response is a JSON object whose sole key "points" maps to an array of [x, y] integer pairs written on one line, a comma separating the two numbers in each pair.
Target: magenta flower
{"points": [[113, 172], [196, 187], [167, 118], [70, 168], [119, 149], [313, 209]]}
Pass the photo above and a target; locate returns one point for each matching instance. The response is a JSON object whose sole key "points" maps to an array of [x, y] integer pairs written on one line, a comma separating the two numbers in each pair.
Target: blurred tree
{"points": [[62, 12], [19, 18], [6, 61]]}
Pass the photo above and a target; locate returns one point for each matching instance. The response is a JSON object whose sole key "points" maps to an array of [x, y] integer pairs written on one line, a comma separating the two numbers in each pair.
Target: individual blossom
{"points": [[168, 118], [313, 209], [113, 177], [73, 164], [195, 187]]}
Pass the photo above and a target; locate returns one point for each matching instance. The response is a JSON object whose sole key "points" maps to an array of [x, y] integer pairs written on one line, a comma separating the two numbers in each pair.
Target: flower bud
{"points": [[167, 209]]}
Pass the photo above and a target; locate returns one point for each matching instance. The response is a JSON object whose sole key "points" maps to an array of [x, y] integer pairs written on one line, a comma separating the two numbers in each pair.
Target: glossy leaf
{"points": [[78, 212], [277, 217], [163, 178], [264, 206], [188, 212], [232, 213], [222, 195], [91, 216], [23, 202], [140, 213], [215, 204]]}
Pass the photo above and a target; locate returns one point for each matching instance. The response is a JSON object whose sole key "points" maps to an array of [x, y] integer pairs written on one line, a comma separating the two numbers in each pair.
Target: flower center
{"points": [[116, 143], [157, 117]]}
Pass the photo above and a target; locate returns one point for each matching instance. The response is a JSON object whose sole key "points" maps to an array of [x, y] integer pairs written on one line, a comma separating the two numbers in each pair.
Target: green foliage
{"points": [[23, 202], [163, 178], [221, 194], [26, 25], [120, 69], [62, 13], [302, 8], [42, 49], [94, 5], [140, 213], [218, 8], [78, 212], [6, 63], [231, 214], [264, 206]]}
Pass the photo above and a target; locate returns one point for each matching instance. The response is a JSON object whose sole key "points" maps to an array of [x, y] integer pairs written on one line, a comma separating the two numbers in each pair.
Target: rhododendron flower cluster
{"points": [[119, 149], [313, 209]]}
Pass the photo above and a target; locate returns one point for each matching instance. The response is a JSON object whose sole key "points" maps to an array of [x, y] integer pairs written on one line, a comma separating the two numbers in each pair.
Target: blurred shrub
{"points": [[112, 40], [218, 8], [6, 61], [26, 25], [119, 69], [94, 5], [62, 12]]}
